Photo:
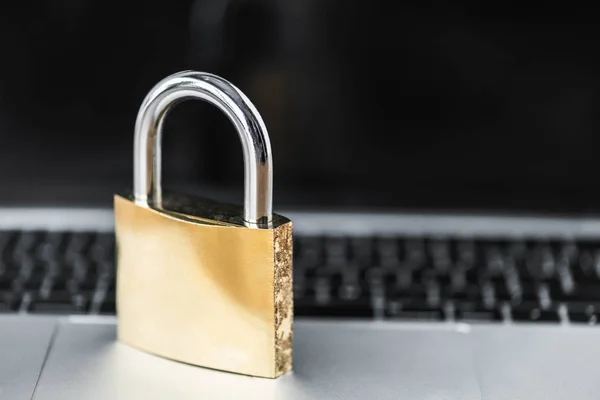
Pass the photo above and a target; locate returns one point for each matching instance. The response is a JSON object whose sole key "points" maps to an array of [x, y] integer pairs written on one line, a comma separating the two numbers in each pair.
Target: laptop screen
{"points": [[367, 107]]}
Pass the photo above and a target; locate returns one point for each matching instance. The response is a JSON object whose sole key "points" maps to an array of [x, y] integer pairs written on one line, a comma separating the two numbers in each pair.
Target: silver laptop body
{"points": [[77, 356]]}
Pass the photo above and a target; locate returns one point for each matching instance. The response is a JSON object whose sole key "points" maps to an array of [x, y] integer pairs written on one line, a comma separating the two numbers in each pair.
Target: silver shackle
{"points": [[258, 170]]}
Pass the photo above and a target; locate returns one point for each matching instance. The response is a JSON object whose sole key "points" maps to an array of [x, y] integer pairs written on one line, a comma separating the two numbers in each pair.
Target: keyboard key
{"points": [[4, 308], [587, 291], [7, 239], [531, 312], [109, 305], [25, 245], [54, 308], [360, 308], [309, 252], [50, 247], [11, 299], [466, 252], [102, 248], [410, 308], [414, 251], [584, 312], [77, 245], [472, 312], [361, 250], [529, 291], [7, 276], [387, 251], [540, 262]]}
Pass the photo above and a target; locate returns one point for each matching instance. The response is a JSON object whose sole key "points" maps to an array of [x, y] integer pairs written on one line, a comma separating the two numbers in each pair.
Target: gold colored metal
{"points": [[196, 285]]}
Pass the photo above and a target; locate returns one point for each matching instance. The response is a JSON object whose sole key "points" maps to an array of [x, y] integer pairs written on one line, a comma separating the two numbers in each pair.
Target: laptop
{"points": [[446, 240]]}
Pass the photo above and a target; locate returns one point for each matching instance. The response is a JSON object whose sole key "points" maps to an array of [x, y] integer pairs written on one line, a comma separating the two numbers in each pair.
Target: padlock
{"points": [[198, 281]]}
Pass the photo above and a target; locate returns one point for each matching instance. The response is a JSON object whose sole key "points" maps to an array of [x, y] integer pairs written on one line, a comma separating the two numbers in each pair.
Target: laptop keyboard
{"points": [[390, 278]]}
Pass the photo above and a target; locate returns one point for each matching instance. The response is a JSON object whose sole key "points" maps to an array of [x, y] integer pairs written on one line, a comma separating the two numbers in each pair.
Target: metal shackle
{"points": [[258, 169]]}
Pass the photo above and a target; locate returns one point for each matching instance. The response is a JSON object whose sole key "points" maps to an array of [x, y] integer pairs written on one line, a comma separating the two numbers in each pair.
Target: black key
{"points": [[7, 240], [29, 278], [402, 278], [458, 280], [517, 251], [583, 318], [80, 301], [414, 291], [80, 268], [90, 282], [530, 311], [26, 267], [439, 253], [54, 308], [459, 289], [529, 291], [500, 290], [434, 294], [466, 252], [34, 281], [425, 275], [336, 251], [334, 295], [12, 299], [495, 263], [361, 249], [60, 283], [412, 309], [351, 291], [540, 262], [72, 286], [565, 278], [58, 302], [4, 308], [324, 290], [568, 251], [579, 292], [77, 245], [59, 296], [360, 308], [585, 269], [109, 305], [105, 269], [310, 251], [300, 287], [467, 311], [476, 274], [414, 251], [583, 312], [51, 247], [587, 291], [374, 276], [52, 281], [388, 251], [102, 248], [7, 276], [555, 290], [25, 244]]}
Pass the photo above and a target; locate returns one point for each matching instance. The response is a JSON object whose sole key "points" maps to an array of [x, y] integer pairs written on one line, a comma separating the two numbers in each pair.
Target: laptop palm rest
{"points": [[537, 362], [24, 344], [332, 361]]}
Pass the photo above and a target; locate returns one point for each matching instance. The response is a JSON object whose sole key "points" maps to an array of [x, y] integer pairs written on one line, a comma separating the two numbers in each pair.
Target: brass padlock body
{"points": [[198, 286]]}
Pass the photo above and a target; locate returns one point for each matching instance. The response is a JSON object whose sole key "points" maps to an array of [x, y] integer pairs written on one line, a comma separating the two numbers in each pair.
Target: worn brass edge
{"points": [[283, 298]]}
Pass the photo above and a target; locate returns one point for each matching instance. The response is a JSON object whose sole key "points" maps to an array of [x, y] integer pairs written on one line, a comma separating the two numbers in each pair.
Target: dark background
{"points": [[368, 104]]}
